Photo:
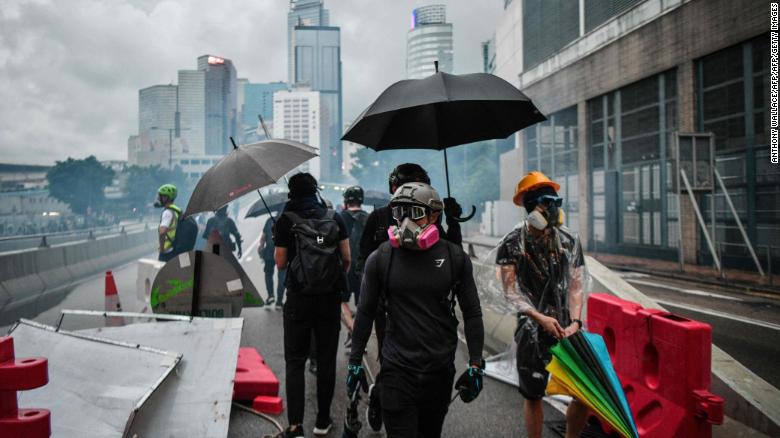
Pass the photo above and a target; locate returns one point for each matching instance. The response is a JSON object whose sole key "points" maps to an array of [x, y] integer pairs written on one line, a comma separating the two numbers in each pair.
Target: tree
{"points": [[79, 183], [143, 182]]}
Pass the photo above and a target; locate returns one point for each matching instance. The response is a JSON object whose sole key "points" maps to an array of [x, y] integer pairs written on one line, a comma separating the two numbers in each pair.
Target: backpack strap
{"points": [[457, 262], [385, 264]]}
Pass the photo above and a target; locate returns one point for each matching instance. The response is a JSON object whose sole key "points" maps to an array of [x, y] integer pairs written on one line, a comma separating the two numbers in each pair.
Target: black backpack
{"points": [[316, 267], [186, 234]]}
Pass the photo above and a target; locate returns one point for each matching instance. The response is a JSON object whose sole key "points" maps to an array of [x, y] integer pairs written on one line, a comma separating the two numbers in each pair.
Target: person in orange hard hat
{"points": [[542, 274]]}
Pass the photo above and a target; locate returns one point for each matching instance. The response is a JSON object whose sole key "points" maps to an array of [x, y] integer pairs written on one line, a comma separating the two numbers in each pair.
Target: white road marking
{"points": [[632, 275], [724, 315], [697, 292]]}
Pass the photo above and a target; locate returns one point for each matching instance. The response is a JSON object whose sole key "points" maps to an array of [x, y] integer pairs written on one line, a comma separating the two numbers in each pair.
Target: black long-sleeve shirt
{"points": [[379, 220], [421, 329]]}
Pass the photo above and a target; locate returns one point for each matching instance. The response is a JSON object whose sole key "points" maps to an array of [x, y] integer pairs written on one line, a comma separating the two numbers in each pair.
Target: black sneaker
{"points": [[374, 411], [322, 427], [297, 433], [269, 301]]}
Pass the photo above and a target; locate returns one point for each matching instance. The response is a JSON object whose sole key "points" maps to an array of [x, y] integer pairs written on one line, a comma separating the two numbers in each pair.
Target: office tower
{"points": [[192, 109], [302, 13], [259, 100], [298, 115], [429, 40], [220, 103], [317, 59]]}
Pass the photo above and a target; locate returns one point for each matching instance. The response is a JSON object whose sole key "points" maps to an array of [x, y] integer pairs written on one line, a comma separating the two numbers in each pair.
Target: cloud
{"points": [[70, 71]]}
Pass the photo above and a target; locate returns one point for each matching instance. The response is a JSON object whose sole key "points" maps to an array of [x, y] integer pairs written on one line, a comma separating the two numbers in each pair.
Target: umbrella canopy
{"points": [[581, 368], [246, 168], [275, 202], [443, 110]]}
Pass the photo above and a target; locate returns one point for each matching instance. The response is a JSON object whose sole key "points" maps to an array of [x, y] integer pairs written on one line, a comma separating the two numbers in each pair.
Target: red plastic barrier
{"points": [[663, 362], [253, 376], [268, 404], [20, 375]]}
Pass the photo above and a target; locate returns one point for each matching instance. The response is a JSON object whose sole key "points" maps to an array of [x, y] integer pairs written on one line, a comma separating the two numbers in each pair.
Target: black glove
{"points": [[356, 378], [469, 384], [452, 208]]}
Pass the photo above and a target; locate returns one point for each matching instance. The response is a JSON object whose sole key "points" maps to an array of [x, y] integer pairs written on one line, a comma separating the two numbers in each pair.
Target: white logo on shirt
{"points": [[439, 262]]}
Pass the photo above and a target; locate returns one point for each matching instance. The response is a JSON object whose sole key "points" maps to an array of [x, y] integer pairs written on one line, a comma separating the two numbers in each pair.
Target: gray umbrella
{"points": [[273, 202], [246, 168]]}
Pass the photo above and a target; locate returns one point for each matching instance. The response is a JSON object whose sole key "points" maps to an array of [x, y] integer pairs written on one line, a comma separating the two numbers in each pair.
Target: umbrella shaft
{"points": [[447, 173]]}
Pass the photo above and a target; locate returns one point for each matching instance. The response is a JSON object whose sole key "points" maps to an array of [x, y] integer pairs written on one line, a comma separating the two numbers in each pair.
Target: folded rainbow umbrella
{"points": [[581, 368]]}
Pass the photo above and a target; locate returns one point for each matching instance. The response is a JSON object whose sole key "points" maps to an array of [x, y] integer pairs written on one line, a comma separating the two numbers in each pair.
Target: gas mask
{"points": [[409, 235], [552, 217], [158, 202]]}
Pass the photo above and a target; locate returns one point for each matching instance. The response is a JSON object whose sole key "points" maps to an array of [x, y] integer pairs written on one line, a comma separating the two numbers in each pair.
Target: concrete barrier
{"points": [[19, 276], [26, 276], [52, 268], [147, 271]]}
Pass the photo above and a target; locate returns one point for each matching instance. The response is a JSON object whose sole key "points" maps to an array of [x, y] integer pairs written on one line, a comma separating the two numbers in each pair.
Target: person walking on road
{"points": [[420, 278], [225, 226], [265, 250], [542, 272], [377, 224], [312, 244], [169, 219], [355, 218]]}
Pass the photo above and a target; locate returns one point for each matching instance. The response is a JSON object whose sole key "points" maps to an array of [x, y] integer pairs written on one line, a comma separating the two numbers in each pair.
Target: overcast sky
{"points": [[70, 70]]}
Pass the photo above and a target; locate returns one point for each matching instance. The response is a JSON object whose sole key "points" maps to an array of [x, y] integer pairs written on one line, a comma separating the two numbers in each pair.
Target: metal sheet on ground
{"points": [[196, 400], [96, 385], [221, 288]]}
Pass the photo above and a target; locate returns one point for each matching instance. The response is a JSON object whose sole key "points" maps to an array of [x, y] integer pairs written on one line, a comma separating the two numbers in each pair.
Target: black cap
{"points": [[301, 184]]}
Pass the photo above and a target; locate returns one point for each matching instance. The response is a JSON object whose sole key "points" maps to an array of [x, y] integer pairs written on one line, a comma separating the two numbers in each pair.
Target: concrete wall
{"points": [[27, 275]]}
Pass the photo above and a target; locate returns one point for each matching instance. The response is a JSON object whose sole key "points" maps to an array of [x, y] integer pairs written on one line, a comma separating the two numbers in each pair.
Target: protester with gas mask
{"points": [[542, 272], [169, 219], [225, 226], [375, 233], [420, 278]]}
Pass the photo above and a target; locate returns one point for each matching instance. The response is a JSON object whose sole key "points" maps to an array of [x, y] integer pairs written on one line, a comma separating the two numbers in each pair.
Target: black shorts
{"points": [[533, 355], [353, 287]]}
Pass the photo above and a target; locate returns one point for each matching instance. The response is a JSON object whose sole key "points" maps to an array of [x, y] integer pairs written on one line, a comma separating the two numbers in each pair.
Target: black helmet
{"points": [[353, 195], [407, 172]]}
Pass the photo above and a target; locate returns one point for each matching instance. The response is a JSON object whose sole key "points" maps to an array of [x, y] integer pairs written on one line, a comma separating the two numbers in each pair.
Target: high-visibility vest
{"points": [[170, 235]]}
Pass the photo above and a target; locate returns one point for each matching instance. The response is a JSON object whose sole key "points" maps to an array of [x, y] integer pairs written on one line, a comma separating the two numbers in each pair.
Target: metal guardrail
{"points": [[45, 240]]}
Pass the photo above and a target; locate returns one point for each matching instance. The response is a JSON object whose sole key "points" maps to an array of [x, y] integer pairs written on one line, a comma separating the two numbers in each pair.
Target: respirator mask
{"points": [[408, 234], [158, 202], [551, 217]]}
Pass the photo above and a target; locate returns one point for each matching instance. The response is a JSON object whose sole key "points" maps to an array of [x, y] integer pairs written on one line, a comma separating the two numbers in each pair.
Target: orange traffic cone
{"points": [[112, 303]]}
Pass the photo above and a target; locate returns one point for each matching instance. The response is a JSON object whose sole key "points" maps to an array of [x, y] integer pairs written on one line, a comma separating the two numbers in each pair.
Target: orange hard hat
{"points": [[532, 181]]}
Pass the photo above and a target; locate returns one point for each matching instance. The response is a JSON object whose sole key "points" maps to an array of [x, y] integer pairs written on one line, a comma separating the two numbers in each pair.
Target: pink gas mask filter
{"points": [[411, 236]]}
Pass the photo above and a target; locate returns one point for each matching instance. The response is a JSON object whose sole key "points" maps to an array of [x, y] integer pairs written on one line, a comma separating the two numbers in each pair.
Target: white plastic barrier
{"points": [[147, 270]]}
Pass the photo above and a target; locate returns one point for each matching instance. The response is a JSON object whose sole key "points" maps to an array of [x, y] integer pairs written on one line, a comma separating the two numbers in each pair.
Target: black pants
{"points": [[268, 268], [414, 404], [304, 315]]}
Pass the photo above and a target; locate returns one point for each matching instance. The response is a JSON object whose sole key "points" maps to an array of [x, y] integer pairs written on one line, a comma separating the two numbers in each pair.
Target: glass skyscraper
{"points": [[191, 109], [157, 106], [429, 40], [259, 99], [315, 62], [220, 103]]}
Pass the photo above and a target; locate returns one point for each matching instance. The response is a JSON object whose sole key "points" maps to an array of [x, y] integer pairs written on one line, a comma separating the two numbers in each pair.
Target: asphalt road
{"points": [[744, 326]]}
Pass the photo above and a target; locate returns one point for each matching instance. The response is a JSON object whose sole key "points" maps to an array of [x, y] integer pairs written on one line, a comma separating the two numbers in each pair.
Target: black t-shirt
{"points": [[421, 330], [307, 208]]}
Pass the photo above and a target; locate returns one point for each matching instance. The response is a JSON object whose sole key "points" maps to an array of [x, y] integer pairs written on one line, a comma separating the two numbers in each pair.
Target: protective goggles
{"points": [[413, 212], [549, 200]]}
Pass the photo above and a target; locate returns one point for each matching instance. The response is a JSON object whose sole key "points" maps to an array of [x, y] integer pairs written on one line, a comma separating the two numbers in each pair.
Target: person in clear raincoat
{"points": [[541, 272]]}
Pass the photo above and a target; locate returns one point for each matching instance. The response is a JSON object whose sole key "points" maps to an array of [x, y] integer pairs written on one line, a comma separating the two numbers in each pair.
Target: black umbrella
{"points": [[273, 202], [246, 168], [441, 111]]}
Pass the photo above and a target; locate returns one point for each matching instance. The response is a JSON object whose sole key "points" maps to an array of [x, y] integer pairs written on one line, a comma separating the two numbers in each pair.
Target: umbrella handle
{"points": [[467, 218]]}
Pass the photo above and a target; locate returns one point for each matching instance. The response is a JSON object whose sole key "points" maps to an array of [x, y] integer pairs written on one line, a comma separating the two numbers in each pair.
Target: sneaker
{"points": [[279, 305], [322, 427], [269, 300], [297, 433], [374, 411]]}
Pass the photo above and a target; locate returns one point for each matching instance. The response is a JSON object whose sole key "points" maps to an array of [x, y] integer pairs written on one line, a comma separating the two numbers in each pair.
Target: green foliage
{"points": [[143, 182], [79, 183]]}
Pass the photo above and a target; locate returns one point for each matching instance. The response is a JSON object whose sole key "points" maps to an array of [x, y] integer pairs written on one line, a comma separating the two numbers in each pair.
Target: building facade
{"points": [[429, 40], [259, 100], [192, 99], [619, 81], [299, 114], [302, 13], [220, 103], [317, 59]]}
